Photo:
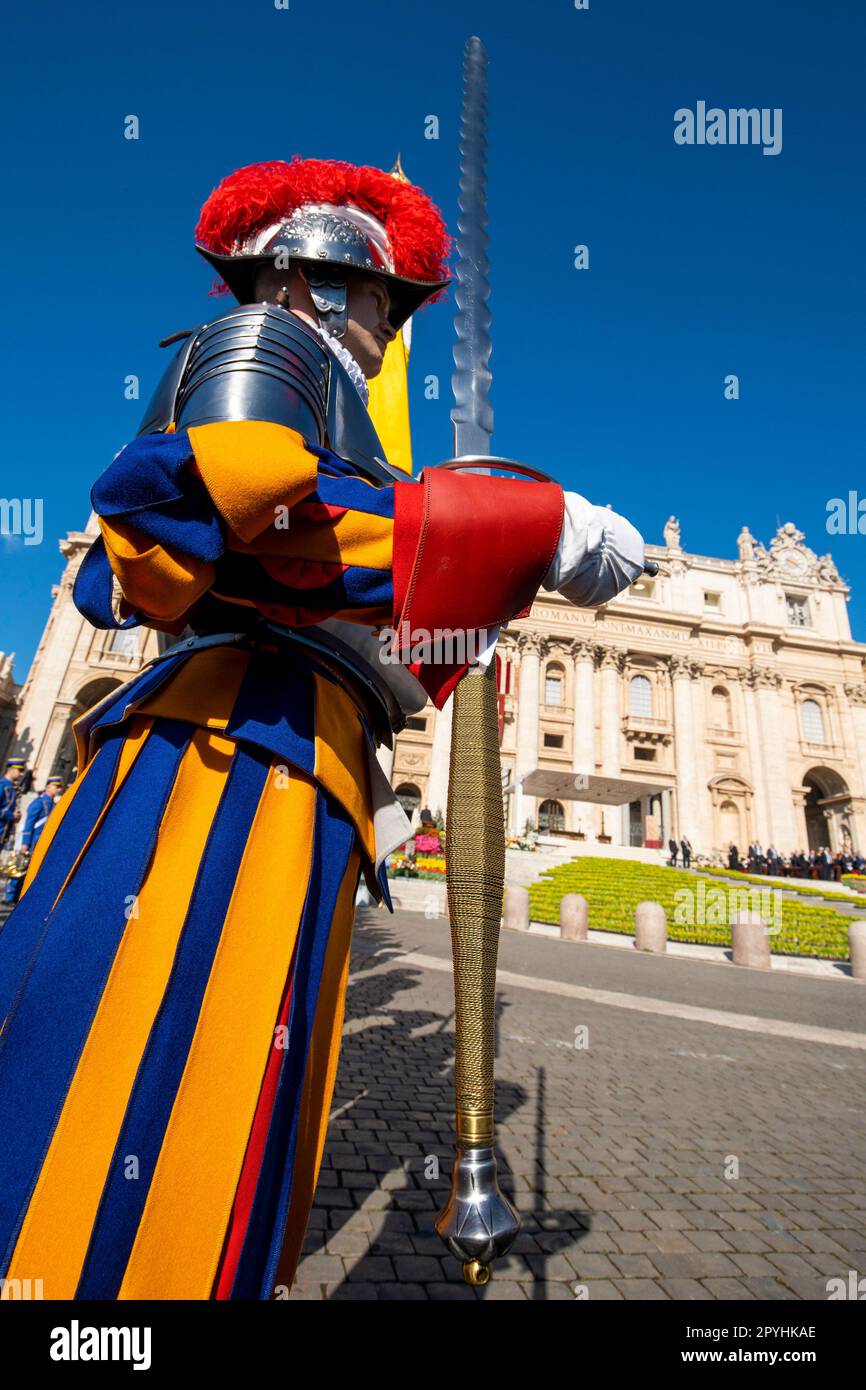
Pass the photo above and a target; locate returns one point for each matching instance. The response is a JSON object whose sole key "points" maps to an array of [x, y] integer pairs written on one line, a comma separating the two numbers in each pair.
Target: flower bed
{"points": [[614, 887], [422, 866], [428, 843]]}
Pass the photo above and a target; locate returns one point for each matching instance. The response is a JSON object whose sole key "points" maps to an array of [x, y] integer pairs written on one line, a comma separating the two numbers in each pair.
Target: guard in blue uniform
{"points": [[10, 791], [38, 812], [35, 817]]}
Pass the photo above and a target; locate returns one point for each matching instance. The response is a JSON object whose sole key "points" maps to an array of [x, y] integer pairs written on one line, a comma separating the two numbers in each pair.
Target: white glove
{"points": [[599, 553]]}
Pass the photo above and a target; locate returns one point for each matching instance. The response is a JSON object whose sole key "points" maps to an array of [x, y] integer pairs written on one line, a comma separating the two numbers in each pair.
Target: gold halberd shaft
{"points": [[476, 872]]}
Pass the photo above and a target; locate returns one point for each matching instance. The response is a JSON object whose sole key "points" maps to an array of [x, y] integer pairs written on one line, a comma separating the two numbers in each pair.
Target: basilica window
{"points": [[553, 685], [721, 708], [551, 816], [640, 697], [797, 609], [124, 642], [813, 722], [409, 797], [553, 740]]}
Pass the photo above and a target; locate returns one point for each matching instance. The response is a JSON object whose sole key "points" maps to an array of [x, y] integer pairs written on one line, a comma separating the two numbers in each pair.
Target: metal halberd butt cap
{"points": [[477, 1223]]}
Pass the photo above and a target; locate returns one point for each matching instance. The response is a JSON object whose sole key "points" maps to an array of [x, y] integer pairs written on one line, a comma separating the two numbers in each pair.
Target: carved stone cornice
{"points": [[762, 678], [611, 658], [681, 666], [582, 649], [532, 644]]}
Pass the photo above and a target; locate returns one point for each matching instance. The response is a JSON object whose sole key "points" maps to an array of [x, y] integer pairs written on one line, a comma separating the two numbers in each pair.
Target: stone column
{"points": [[440, 759], [685, 753], [767, 685], [531, 647], [760, 819], [801, 833], [612, 663], [583, 732], [667, 816], [705, 828], [856, 698], [583, 737]]}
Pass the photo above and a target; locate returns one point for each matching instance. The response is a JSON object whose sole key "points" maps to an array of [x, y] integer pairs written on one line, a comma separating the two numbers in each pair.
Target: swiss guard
{"points": [[35, 818], [10, 815], [190, 901], [37, 813], [10, 790]]}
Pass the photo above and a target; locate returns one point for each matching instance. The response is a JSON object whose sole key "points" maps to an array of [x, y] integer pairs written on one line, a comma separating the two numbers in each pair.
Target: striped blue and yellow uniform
{"points": [[172, 981]]}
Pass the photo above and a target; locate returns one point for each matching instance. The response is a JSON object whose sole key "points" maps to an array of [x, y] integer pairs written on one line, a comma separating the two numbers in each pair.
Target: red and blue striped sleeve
{"points": [[250, 513]]}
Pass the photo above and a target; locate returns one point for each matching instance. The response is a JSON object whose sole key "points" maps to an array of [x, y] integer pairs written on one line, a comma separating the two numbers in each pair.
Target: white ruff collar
{"points": [[343, 355]]}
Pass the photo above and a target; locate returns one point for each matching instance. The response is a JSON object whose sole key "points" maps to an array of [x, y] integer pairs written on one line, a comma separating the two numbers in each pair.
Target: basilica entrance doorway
{"points": [[827, 806]]}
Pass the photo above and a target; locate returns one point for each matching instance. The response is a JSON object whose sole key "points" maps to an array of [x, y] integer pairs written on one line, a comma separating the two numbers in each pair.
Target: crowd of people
{"points": [[820, 863]]}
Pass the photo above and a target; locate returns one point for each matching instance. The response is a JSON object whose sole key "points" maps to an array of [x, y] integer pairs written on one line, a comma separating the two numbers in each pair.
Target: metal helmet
{"points": [[332, 220]]}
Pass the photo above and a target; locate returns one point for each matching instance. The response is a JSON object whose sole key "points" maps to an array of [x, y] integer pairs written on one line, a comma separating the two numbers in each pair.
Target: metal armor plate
{"points": [[260, 362]]}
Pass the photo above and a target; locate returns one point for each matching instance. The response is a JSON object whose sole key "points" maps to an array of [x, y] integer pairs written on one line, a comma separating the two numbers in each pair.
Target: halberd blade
{"points": [[472, 414]]}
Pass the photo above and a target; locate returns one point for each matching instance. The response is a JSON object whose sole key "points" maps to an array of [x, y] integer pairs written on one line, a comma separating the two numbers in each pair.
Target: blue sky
{"points": [[704, 261]]}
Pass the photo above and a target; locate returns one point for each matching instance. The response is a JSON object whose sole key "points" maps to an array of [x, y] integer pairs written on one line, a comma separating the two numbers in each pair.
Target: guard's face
{"points": [[368, 331]]}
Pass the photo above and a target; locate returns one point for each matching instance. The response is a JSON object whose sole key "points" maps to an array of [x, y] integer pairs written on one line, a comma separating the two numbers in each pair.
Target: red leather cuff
{"points": [[471, 549], [470, 552]]}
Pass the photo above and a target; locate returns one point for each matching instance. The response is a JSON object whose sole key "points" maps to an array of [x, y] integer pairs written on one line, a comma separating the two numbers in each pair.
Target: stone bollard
{"points": [[515, 908], [857, 948], [750, 940], [650, 927], [573, 917]]}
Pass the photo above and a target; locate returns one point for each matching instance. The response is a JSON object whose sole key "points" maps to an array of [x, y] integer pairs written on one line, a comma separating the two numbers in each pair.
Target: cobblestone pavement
{"points": [[620, 1155]]}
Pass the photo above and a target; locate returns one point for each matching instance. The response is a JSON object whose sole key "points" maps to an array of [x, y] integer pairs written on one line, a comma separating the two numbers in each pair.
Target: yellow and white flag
{"points": [[389, 391], [389, 402]]}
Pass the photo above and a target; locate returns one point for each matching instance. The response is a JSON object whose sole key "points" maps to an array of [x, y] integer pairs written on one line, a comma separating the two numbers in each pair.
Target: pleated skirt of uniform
{"points": [[172, 986]]}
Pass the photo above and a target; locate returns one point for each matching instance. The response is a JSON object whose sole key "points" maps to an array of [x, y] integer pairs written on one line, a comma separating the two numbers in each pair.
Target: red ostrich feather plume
{"points": [[259, 194]]}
